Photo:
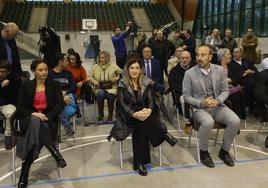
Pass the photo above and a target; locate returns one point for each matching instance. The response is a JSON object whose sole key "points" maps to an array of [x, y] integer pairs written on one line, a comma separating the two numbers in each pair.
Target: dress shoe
{"points": [[206, 159], [170, 139], [61, 163], [266, 142], [226, 158], [141, 169]]}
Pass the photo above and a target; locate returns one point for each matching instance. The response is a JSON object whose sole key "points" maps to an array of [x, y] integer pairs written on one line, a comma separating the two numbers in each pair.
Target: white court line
{"points": [[102, 141]]}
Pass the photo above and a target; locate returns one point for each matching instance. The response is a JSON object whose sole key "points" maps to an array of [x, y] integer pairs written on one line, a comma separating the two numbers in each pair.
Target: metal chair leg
{"points": [[60, 169], [160, 155], [190, 136], [197, 147], [14, 166], [258, 133], [121, 155], [235, 152], [245, 123], [216, 138], [178, 119]]}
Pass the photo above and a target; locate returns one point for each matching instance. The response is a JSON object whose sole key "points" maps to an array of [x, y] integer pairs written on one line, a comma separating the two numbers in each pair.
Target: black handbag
{"points": [[106, 84], [121, 129]]}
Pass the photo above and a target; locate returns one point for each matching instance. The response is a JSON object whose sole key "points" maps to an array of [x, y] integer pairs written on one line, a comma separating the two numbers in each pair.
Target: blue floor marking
{"points": [[149, 168]]}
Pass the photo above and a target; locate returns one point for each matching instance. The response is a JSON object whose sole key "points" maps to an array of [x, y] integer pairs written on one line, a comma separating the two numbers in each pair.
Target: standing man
{"points": [[152, 69], [250, 43], [205, 87], [189, 43], [120, 46], [228, 41], [8, 48]]}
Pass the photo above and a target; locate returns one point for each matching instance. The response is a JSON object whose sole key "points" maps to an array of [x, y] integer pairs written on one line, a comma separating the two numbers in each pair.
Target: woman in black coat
{"points": [[135, 104], [40, 104]]}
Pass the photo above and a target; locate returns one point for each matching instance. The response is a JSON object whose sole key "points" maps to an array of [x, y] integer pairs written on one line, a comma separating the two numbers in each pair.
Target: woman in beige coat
{"points": [[104, 77]]}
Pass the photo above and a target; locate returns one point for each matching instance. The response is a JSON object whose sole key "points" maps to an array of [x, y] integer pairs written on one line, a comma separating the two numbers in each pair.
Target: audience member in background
{"points": [[69, 51], [177, 40], [152, 69], [40, 104], [79, 73], [189, 43], [141, 37], [9, 89], [8, 48], [249, 44], [120, 45], [153, 37], [248, 73], [175, 60], [136, 104], [175, 79], [162, 50], [104, 77], [205, 87], [236, 96], [228, 41], [261, 93], [214, 40], [67, 85]]}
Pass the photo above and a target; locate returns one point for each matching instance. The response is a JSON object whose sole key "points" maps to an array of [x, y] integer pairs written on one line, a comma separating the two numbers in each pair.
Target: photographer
{"points": [[120, 46], [104, 77], [49, 45]]}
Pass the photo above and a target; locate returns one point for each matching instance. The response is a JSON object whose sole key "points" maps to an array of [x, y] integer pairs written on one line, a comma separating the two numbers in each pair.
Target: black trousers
{"points": [[141, 147], [238, 104], [121, 61]]}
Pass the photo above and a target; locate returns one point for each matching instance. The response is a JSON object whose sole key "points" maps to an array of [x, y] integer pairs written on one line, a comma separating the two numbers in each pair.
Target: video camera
{"points": [[133, 28], [49, 44]]}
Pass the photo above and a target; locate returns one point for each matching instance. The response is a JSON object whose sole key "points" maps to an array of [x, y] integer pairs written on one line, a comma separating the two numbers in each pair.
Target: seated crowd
{"points": [[215, 82]]}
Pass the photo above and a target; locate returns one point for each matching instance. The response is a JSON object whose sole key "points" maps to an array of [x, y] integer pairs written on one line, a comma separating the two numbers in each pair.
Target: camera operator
{"points": [[120, 46], [49, 45], [8, 48]]}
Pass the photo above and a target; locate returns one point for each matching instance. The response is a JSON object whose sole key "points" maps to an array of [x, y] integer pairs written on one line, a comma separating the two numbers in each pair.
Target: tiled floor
{"points": [[94, 162]]}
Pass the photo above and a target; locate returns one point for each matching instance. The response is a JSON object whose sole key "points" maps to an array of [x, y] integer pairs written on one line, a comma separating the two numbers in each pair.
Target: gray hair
{"points": [[221, 52]]}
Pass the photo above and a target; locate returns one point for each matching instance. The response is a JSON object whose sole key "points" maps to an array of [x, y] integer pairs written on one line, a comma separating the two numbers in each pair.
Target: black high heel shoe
{"points": [[170, 139], [141, 169], [58, 157]]}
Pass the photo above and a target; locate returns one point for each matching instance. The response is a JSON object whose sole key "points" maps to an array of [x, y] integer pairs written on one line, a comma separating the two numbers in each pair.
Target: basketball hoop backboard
{"points": [[89, 24]]}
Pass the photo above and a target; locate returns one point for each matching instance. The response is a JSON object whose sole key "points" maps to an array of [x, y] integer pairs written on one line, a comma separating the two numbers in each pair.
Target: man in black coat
{"points": [[189, 44], [175, 79], [248, 73], [162, 50], [10, 85], [8, 47]]}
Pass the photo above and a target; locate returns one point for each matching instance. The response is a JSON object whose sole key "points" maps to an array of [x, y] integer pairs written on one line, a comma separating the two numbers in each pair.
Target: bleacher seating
{"points": [[68, 16]]}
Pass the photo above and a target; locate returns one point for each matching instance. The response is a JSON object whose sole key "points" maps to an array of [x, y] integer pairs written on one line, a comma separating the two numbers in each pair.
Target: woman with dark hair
{"points": [[135, 104], [40, 104], [78, 71]]}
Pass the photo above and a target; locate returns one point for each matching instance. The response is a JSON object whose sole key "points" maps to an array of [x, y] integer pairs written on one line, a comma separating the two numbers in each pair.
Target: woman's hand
{"points": [[115, 79], [143, 114], [96, 83], [67, 99], [42, 116], [79, 84]]}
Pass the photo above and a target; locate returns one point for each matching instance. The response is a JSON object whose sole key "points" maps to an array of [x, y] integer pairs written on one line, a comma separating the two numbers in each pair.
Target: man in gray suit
{"points": [[205, 87]]}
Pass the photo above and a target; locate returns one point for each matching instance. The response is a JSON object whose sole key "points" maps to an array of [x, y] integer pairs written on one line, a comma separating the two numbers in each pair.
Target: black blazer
{"points": [[16, 65], [55, 104], [234, 73]]}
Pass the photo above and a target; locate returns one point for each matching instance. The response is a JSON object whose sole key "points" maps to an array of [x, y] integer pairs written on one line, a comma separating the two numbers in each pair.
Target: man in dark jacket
{"points": [[10, 85], [248, 73], [189, 43], [175, 79], [120, 46], [228, 41], [162, 50], [8, 47]]}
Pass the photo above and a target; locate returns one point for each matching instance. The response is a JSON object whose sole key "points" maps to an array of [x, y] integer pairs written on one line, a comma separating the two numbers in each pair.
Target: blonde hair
{"points": [[106, 55]]}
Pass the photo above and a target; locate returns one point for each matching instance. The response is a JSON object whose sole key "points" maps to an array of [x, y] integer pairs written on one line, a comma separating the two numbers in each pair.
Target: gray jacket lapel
{"points": [[199, 76]]}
